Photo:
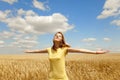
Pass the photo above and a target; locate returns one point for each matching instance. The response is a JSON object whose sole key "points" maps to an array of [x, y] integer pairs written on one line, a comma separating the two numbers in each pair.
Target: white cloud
{"points": [[4, 15], [10, 1], [55, 22], [111, 8], [24, 27], [116, 22], [106, 39], [89, 40], [6, 34], [23, 13], [20, 40], [30, 22], [25, 43], [40, 5], [1, 42]]}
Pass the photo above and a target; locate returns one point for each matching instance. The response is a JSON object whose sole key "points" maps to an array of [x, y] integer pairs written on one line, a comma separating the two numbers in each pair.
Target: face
{"points": [[58, 37]]}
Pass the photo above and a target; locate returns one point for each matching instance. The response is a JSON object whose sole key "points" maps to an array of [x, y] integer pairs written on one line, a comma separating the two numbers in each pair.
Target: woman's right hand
{"points": [[28, 51]]}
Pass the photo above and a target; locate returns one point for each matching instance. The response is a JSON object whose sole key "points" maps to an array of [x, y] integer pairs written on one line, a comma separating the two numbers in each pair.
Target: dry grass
{"points": [[78, 67]]}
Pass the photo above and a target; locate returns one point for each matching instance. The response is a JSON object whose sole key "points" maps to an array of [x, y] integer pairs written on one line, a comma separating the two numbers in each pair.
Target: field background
{"points": [[78, 67]]}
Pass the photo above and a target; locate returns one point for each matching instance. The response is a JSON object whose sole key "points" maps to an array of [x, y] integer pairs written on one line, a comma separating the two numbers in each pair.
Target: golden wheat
{"points": [[78, 67]]}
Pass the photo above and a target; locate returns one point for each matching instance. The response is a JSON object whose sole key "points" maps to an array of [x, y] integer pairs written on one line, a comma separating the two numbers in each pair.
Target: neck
{"points": [[57, 44]]}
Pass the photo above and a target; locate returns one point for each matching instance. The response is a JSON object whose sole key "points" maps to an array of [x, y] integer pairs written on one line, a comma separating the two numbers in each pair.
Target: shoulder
{"points": [[49, 48], [65, 48]]}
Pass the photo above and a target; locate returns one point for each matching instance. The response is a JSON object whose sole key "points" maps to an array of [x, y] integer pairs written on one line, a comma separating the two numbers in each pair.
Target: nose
{"points": [[57, 36]]}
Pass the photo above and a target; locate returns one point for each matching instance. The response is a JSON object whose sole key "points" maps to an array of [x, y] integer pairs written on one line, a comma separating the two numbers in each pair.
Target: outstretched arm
{"points": [[86, 51], [36, 51]]}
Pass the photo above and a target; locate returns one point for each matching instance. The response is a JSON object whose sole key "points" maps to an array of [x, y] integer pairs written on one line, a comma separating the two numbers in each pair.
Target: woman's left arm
{"points": [[87, 51]]}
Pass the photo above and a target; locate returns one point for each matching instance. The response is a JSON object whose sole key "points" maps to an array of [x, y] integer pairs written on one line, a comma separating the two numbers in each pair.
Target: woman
{"points": [[57, 55]]}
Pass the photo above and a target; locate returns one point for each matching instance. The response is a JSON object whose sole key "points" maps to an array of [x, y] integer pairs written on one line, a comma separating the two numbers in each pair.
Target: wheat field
{"points": [[78, 67]]}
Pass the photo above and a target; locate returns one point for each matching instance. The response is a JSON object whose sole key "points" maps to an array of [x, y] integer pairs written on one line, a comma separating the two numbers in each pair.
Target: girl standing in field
{"points": [[57, 55]]}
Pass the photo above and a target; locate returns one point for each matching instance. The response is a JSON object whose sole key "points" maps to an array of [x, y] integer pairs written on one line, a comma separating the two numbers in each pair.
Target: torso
{"points": [[57, 63]]}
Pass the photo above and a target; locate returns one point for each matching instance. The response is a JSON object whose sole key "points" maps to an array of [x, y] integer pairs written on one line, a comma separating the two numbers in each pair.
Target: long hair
{"points": [[62, 43]]}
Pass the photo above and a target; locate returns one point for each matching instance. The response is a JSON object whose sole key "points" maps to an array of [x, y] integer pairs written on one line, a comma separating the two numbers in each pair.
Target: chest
{"points": [[58, 54]]}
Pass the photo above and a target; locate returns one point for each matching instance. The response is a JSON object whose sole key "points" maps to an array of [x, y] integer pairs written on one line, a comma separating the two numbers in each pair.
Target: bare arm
{"points": [[86, 51], [36, 51]]}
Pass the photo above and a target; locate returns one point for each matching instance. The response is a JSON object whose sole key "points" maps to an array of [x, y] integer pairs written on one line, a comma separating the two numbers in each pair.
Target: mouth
{"points": [[56, 39]]}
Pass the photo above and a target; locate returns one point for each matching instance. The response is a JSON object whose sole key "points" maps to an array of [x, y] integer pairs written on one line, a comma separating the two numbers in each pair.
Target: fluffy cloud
{"points": [[30, 22], [6, 34], [53, 23], [22, 12], [17, 40], [111, 8], [1, 42], [23, 27], [4, 15], [106, 39], [40, 5], [94, 39], [89, 40], [10, 1], [116, 22], [24, 43]]}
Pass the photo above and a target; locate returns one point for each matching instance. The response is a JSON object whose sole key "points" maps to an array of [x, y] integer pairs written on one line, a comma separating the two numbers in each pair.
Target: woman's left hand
{"points": [[102, 51]]}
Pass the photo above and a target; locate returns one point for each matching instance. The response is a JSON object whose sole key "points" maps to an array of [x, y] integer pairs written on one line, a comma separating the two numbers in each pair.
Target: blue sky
{"points": [[31, 24]]}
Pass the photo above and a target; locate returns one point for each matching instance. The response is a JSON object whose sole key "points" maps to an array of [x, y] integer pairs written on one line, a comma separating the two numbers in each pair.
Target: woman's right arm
{"points": [[36, 51]]}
